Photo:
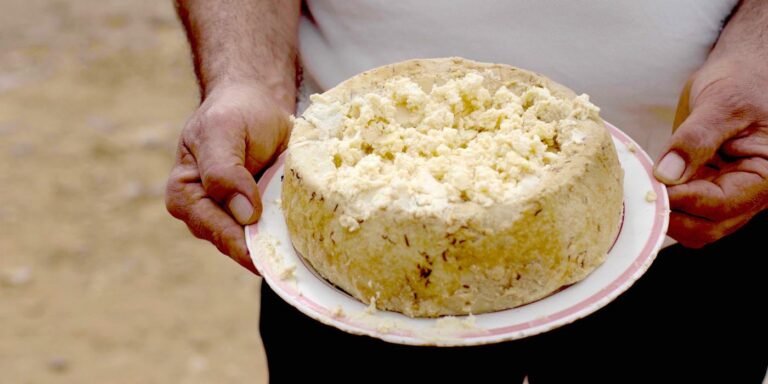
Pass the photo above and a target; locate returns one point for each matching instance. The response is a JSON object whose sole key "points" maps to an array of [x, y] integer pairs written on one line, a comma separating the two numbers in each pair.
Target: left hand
{"points": [[716, 162]]}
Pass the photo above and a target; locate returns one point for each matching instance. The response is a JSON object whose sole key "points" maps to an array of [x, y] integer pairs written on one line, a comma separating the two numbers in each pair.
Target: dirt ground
{"points": [[98, 284]]}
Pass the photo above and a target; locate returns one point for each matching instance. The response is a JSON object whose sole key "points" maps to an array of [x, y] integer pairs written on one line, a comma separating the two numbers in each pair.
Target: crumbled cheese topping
{"points": [[459, 142], [650, 196]]}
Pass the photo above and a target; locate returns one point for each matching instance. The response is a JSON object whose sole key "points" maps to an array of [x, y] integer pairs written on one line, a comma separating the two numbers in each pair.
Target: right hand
{"points": [[236, 131], [716, 162]]}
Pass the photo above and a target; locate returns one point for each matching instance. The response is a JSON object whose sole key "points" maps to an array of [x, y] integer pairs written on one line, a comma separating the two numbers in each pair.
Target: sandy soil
{"points": [[98, 284]]}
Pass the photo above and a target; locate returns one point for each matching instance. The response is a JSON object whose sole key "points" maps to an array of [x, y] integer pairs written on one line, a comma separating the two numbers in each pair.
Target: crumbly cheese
{"points": [[268, 244], [650, 196], [371, 308], [457, 142], [338, 312], [288, 272], [453, 323], [382, 324], [446, 187], [450, 328]]}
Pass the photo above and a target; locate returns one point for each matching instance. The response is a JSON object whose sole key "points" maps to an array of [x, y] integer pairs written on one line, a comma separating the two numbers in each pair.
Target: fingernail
{"points": [[241, 208], [671, 167]]}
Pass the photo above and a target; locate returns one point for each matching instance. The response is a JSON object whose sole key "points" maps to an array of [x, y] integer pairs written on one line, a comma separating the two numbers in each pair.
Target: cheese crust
{"points": [[446, 187]]}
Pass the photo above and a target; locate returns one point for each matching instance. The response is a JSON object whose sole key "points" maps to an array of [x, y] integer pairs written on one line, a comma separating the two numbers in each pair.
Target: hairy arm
{"points": [[244, 41], [245, 59], [746, 31]]}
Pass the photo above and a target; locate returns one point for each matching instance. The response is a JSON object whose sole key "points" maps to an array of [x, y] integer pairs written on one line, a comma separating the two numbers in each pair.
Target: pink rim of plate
{"points": [[515, 331]]}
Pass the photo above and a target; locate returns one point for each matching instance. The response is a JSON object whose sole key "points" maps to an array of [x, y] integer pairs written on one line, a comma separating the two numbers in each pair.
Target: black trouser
{"points": [[696, 316]]}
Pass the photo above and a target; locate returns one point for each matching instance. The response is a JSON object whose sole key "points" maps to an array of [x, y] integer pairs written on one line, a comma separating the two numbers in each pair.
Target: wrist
{"points": [[276, 92]]}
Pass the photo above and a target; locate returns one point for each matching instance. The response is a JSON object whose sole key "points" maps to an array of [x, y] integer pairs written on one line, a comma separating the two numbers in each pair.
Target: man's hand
{"points": [[717, 158], [234, 133], [717, 162], [245, 61]]}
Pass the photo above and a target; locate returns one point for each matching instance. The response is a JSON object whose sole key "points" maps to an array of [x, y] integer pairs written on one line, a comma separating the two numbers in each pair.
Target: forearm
{"points": [[746, 34], [244, 42]]}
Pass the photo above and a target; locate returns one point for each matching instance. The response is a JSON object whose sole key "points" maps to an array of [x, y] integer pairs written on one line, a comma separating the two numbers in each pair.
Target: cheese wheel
{"points": [[446, 187]]}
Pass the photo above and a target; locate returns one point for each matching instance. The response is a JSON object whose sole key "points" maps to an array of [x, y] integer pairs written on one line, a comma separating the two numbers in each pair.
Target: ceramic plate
{"points": [[646, 214]]}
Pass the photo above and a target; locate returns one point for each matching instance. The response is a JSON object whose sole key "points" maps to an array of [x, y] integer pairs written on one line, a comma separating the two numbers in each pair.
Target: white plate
{"points": [[641, 235]]}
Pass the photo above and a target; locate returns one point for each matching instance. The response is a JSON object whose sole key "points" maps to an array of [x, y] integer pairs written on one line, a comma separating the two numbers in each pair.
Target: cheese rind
{"points": [[448, 187]]}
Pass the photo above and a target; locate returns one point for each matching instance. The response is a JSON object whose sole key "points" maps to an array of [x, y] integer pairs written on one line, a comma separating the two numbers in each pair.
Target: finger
{"points": [[180, 190], [208, 221], [709, 171], [754, 143], [186, 200], [740, 188], [234, 186], [219, 146], [712, 121], [696, 232]]}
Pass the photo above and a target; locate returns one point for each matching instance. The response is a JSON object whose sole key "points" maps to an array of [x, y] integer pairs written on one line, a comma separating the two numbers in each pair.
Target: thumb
{"points": [[231, 185], [697, 139], [220, 160]]}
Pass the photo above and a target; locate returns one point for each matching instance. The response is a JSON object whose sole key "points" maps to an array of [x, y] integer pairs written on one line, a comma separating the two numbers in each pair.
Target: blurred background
{"points": [[98, 284]]}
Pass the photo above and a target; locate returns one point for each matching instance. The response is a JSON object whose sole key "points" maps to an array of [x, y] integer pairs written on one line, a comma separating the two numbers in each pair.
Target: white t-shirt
{"points": [[631, 57]]}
